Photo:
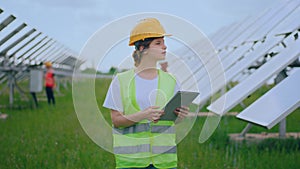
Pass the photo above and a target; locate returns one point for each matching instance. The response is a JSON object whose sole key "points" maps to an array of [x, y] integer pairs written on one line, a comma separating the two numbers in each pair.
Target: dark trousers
{"points": [[34, 99], [50, 95]]}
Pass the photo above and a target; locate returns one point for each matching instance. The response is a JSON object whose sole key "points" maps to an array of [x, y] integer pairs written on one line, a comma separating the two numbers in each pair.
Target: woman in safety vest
{"points": [[135, 97]]}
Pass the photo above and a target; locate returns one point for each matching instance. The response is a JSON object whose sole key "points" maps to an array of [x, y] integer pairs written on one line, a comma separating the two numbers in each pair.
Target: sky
{"points": [[73, 22]]}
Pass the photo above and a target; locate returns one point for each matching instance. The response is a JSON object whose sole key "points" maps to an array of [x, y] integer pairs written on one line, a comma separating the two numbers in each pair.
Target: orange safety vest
{"points": [[49, 78]]}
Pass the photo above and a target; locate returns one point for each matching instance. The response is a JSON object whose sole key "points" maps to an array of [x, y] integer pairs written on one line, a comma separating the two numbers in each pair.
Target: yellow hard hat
{"points": [[146, 28], [48, 64]]}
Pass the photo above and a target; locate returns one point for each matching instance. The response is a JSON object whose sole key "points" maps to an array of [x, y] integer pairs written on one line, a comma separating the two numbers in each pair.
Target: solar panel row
{"points": [[23, 48], [251, 52]]}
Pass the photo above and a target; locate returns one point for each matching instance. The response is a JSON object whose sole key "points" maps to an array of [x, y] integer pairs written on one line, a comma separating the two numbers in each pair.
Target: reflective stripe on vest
{"points": [[144, 127], [145, 142]]}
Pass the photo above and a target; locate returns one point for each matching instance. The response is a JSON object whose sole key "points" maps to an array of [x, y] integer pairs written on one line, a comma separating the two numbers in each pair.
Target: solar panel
{"points": [[32, 55], [212, 73], [289, 24], [239, 31], [230, 57], [201, 70], [263, 19], [255, 80], [7, 21], [267, 22], [18, 29], [216, 38], [25, 44], [4, 51], [276, 104], [22, 49], [23, 57], [235, 55], [226, 33], [279, 17], [236, 60], [260, 51]]}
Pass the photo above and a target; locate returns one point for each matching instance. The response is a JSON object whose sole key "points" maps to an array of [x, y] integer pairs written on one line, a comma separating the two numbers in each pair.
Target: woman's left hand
{"points": [[182, 112]]}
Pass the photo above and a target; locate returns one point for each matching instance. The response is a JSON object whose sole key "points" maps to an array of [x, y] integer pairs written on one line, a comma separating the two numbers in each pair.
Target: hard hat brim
{"points": [[136, 38]]}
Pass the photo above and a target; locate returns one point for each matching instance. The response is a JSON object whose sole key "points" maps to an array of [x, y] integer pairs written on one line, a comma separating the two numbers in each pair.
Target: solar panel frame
{"points": [[274, 105], [255, 80], [11, 34], [7, 21]]}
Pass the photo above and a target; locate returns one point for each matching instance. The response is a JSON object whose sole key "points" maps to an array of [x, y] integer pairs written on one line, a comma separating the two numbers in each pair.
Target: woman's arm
{"points": [[152, 113]]}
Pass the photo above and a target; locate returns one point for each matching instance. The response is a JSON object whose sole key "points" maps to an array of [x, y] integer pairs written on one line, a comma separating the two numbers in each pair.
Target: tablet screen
{"points": [[181, 98]]}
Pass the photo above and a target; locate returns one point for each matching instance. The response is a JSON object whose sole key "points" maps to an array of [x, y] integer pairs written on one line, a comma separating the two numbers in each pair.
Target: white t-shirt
{"points": [[145, 93]]}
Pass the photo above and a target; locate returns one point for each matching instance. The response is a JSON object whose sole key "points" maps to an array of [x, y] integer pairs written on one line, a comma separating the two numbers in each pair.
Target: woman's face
{"points": [[157, 49]]}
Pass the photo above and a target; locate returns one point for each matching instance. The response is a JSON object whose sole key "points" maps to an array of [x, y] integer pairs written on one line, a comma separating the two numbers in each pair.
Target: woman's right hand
{"points": [[153, 113]]}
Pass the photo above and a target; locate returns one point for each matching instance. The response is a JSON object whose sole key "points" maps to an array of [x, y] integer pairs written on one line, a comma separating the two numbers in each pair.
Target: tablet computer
{"points": [[181, 98]]}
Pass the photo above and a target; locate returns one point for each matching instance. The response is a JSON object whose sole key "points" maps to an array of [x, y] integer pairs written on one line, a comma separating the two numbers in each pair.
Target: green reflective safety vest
{"points": [[145, 142]]}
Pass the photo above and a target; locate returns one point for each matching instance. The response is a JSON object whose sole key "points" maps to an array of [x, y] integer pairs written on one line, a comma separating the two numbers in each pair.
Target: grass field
{"points": [[51, 137]]}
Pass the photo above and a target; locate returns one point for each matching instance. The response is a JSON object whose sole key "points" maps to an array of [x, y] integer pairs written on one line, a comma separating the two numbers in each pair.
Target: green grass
{"points": [[52, 137]]}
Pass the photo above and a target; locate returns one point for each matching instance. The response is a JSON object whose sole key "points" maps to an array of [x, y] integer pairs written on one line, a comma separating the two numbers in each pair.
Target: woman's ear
{"points": [[141, 48]]}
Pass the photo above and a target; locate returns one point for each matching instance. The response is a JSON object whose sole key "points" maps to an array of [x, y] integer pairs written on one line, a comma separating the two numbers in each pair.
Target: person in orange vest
{"points": [[49, 83], [135, 97]]}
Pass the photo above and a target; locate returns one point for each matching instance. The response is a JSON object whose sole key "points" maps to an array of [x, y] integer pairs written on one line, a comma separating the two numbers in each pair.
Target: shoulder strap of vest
{"points": [[167, 77], [166, 86], [127, 87]]}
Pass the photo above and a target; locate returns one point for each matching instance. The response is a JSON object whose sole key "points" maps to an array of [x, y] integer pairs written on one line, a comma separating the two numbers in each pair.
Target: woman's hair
{"points": [[137, 54]]}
